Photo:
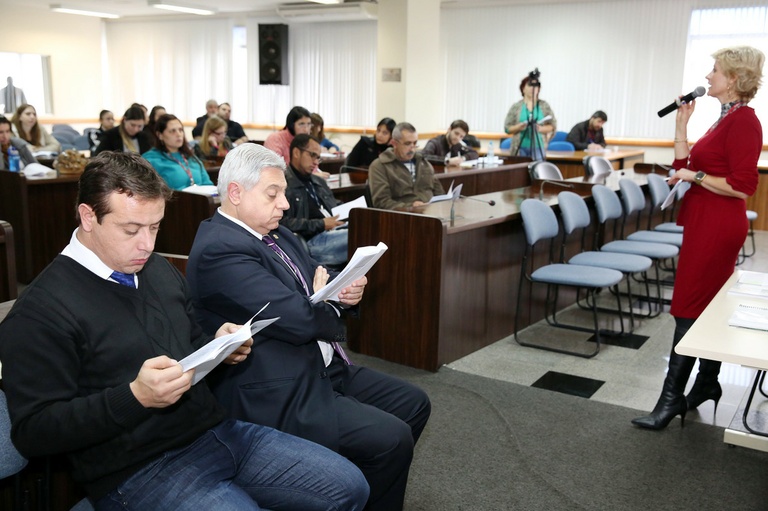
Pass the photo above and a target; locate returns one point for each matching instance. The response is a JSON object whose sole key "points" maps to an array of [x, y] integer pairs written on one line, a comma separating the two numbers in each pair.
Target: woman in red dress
{"points": [[722, 167]]}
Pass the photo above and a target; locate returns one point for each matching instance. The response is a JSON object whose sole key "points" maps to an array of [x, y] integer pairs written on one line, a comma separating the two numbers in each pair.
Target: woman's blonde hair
{"points": [[745, 64], [212, 124]]}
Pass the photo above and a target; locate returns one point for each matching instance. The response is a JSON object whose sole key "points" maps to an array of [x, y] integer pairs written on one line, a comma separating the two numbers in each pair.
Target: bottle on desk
{"points": [[490, 159], [14, 161]]}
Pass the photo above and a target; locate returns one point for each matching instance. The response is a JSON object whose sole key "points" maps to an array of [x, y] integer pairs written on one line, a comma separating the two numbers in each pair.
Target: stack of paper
{"points": [[751, 283], [362, 260], [749, 316]]}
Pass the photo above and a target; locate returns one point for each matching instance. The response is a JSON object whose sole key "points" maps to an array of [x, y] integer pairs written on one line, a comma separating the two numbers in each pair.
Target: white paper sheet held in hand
{"points": [[343, 209], [671, 196], [362, 260], [214, 353], [451, 194]]}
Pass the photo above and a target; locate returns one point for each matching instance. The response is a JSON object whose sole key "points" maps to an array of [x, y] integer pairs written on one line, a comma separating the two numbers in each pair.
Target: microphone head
{"points": [[700, 91]]}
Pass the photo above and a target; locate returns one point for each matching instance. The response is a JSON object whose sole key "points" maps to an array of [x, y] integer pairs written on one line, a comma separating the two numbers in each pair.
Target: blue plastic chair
{"points": [[505, 143], [540, 224], [560, 145], [559, 136]]}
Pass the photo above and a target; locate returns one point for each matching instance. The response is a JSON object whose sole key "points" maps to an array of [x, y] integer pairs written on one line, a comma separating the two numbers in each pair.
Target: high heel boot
{"points": [[706, 386], [672, 400]]}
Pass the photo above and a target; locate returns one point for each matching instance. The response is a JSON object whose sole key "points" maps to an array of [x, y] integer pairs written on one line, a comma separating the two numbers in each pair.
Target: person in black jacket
{"points": [[588, 135], [311, 203], [128, 136], [368, 149]]}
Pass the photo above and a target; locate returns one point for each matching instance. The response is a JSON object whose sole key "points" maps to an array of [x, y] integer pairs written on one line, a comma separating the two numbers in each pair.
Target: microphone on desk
{"points": [[558, 183], [699, 91], [489, 202], [350, 167]]}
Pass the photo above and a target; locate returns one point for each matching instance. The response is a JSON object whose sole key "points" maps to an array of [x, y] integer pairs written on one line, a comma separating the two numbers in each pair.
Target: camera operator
{"points": [[529, 119]]}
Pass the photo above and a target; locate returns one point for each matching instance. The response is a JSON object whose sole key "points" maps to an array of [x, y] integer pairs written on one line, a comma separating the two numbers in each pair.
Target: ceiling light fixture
{"points": [[326, 1], [82, 12], [177, 7]]}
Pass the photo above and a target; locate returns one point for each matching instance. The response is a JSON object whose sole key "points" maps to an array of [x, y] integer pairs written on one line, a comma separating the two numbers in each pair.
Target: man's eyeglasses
{"points": [[313, 154], [305, 125]]}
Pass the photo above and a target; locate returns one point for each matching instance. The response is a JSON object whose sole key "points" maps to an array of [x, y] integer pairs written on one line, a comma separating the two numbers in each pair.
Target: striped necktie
{"points": [[125, 279]]}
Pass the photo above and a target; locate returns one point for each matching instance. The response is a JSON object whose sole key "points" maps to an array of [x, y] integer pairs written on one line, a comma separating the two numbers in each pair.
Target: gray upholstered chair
{"points": [[540, 224], [634, 204]]}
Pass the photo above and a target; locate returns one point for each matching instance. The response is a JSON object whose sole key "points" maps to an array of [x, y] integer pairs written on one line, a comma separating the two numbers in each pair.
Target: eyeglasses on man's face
{"points": [[313, 154]]}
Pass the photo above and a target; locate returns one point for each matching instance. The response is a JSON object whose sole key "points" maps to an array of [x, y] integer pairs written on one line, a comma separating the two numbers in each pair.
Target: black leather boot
{"points": [[672, 400], [706, 386]]}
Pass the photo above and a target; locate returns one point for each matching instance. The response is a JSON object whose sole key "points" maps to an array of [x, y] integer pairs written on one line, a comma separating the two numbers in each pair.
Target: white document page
{"points": [[343, 209], [202, 190], [751, 283], [749, 316], [671, 196], [213, 353], [452, 194], [362, 260]]}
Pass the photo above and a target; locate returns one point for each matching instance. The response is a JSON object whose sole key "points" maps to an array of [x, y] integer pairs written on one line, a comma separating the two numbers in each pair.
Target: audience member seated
{"points": [[235, 131], [7, 140], [311, 203], [151, 126], [29, 130], [401, 178], [126, 136], [90, 357], [318, 133], [143, 109], [173, 159], [214, 143], [517, 120], [211, 109], [299, 379], [450, 148], [106, 122], [297, 121], [368, 149], [588, 135]]}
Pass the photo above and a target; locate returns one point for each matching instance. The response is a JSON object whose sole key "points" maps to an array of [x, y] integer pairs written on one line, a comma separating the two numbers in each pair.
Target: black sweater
{"points": [[70, 347]]}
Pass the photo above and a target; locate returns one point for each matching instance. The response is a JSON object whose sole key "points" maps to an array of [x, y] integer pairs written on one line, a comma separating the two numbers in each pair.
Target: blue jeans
{"points": [[527, 151], [329, 247], [241, 466]]}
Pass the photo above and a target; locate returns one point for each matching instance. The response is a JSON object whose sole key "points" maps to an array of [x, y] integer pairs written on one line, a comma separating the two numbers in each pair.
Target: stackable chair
{"points": [[596, 168], [751, 216], [634, 204], [544, 170], [559, 136], [659, 189], [560, 145], [540, 224], [575, 215], [610, 218]]}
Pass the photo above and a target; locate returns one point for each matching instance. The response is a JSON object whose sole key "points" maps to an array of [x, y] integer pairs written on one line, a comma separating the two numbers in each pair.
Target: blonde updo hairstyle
{"points": [[744, 63]]}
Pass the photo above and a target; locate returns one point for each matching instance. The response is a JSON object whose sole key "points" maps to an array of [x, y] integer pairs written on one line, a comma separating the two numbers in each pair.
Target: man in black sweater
{"points": [[89, 354], [588, 135]]}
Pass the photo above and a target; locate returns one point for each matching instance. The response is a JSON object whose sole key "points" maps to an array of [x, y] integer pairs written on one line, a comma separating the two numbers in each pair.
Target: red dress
{"points": [[715, 226]]}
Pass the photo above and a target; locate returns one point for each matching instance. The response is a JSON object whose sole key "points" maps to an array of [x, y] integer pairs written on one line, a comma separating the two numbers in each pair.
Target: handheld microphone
{"points": [[558, 183], [489, 202], [700, 91]]}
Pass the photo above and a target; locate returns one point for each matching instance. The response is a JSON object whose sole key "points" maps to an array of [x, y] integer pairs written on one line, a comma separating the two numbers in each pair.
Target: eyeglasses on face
{"points": [[313, 154], [305, 125]]}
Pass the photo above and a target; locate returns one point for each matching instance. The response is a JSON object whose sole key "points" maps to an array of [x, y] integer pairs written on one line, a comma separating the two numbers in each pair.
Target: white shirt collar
{"points": [[87, 258], [239, 222]]}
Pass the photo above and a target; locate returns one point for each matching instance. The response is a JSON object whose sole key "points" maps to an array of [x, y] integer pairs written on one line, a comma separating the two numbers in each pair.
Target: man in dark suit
{"points": [[298, 379], [211, 109]]}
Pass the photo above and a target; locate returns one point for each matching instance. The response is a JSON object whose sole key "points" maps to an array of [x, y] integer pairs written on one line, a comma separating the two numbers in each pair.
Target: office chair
{"points": [[559, 136], [575, 216], [540, 224], [64, 128], [634, 204], [560, 145], [596, 167], [544, 170], [659, 189], [751, 216], [610, 219]]}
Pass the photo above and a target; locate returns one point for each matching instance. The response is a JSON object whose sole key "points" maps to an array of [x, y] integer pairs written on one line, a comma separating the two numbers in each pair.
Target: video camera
{"points": [[533, 78]]}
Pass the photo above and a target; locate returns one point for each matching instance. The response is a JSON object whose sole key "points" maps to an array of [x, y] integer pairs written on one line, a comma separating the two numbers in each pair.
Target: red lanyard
{"points": [[184, 165]]}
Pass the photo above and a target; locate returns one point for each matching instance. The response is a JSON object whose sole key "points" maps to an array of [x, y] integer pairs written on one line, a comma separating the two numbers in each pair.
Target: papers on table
{"points": [[343, 209], [750, 316], [452, 194], [209, 190], [751, 283], [362, 260], [671, 195], [35, 169], [213, 353]]}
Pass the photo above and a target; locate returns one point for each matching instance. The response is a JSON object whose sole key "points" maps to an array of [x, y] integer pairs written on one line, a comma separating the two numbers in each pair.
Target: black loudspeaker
{"points": [[273, 54]]}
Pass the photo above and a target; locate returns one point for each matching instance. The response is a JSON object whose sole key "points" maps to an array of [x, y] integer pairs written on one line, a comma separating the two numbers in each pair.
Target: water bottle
{"points": [[14, 162], [490, 159]]}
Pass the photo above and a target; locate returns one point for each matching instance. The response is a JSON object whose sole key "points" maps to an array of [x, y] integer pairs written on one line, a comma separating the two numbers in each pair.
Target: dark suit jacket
{"points": [[284, 382], [111, 141]]}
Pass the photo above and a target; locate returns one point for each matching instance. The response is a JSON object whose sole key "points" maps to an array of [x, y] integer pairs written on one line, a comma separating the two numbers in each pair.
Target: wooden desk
{"points": [[42, 213], [443, 290], [570, 163], [183, 214], [710, 337]]}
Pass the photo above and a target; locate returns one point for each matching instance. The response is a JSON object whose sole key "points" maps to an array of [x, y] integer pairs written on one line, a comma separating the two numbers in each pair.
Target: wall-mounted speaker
{"points": [[273, 54]]}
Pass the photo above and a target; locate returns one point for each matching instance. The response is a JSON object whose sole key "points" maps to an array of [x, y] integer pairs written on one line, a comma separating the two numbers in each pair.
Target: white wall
{"points": [[74, 45]]}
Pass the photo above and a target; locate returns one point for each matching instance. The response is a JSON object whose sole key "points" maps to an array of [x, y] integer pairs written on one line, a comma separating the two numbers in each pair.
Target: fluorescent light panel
{"points": [[82, 12], [326, 1], [177, 7]]}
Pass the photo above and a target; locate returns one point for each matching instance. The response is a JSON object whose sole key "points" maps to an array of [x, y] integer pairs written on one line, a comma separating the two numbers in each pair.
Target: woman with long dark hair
{"points": [[173, 159]]}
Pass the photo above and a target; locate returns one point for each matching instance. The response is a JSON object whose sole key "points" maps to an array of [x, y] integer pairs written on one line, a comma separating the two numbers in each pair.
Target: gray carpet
{"points": [[493, 445]]}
